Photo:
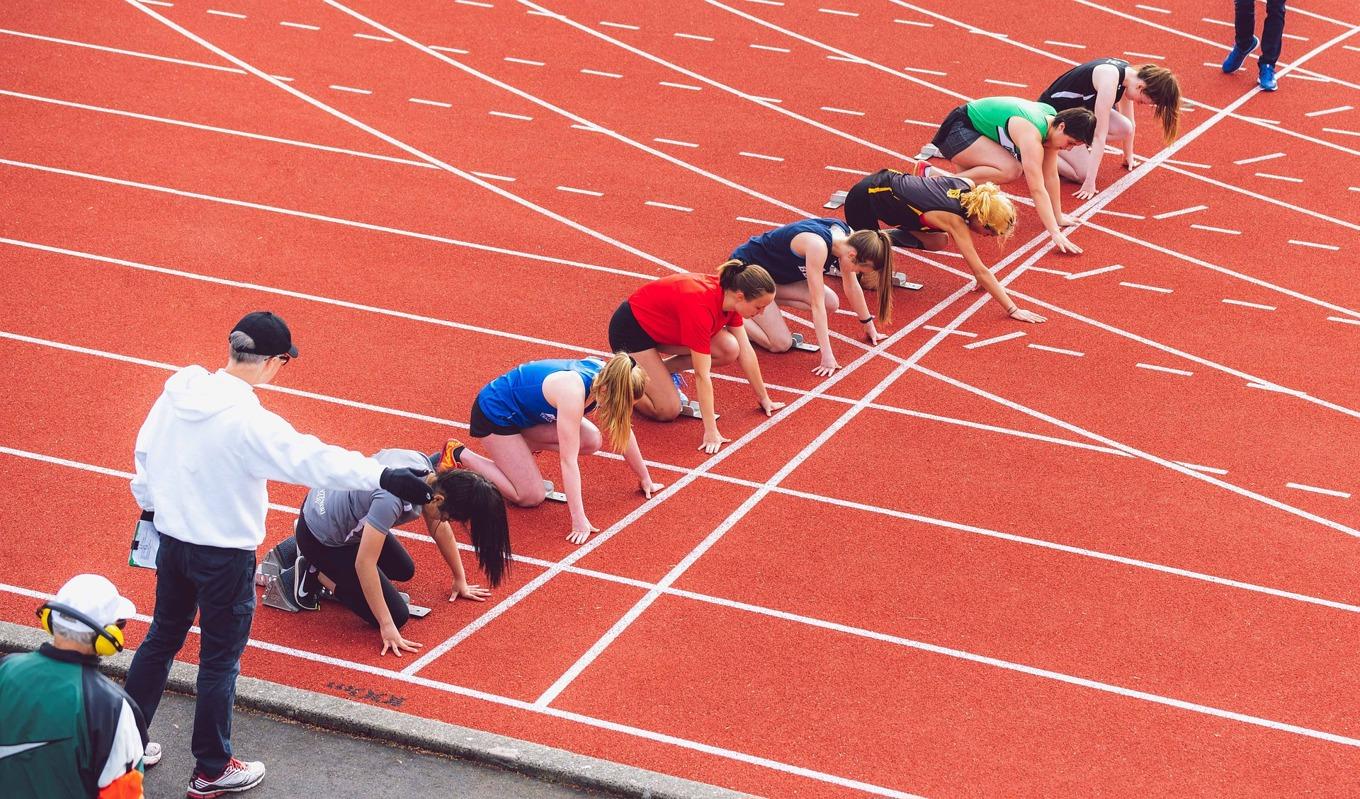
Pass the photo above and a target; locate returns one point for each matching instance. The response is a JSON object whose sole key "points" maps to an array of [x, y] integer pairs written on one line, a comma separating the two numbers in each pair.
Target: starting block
{"points": [[276, 594], [690, 408], [416, 611], [800, 344], [836, 201], [899, 279], [551, 493]]}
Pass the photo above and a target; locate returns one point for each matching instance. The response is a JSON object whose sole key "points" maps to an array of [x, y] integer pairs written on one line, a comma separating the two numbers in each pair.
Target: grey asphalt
{"points": [[302, 760]]}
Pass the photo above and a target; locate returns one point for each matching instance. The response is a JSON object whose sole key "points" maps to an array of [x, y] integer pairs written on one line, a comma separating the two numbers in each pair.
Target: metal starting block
{"points": [[275, 592], [550, 492], [900, 280], [800, 344], [836, 201], [416, 611], [691, 409]]}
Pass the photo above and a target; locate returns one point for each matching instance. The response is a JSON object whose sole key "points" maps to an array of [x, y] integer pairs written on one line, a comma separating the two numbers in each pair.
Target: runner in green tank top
{"points": [[999, 139]]}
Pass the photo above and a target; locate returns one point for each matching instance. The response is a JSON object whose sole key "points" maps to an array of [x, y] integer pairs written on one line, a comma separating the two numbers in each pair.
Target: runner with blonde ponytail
{"points": [[797, 256], [542, 405], [925, 213]]}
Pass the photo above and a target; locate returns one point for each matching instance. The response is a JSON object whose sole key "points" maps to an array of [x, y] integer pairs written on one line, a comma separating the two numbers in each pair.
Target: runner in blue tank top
{"points": [[542, 405], [797, 256]]}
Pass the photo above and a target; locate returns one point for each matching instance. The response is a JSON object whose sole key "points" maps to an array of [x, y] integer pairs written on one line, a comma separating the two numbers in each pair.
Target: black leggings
{"points": [[337, 563]]}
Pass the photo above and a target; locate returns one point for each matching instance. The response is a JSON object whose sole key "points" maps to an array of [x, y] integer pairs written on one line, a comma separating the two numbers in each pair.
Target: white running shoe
{"points": [[929, 150], [238, 776], [152, 755]]}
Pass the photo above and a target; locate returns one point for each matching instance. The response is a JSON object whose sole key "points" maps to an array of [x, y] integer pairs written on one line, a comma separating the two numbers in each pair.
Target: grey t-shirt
{"points": [[337, 518]]}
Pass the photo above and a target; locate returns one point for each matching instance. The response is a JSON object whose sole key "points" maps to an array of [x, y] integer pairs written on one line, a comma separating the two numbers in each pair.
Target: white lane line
{"points": [[1065, 44], [1144, 287], [1326, 111], [762, 222], [1222, 22], [133, 53], [845, 59], [761, 156], [591, 128], [770, 48], [350, 89], [1153, 9], [1284, 178], [1296, 38], [847, 170], [924, 71], [838, 11], [1206, 469], [668, 205], [161, 3], [1009, 83], [1048, 271], [676, 142], [1353, 188], [601, 74], [1058, 350], [1192, 209], [442, 49], [580, 191], [921, 123], [373, 38], [300, 26], [435, 103], [842, 111], [1351, 47], [1343, 132], [1191, 164], [473, 3], [1258, 158], [231, 14], [696, 37], [918, 23], [766, 2], [1315, 490], [508, 115], [1120, 214], [685, 86], [1213, 229], [623, 25], [1148, 56], [938, 329], [1166, 369], [987, 342], [492, 176], [1088, 273], [1315, 245], [525, 61], [1343, 320], [1246, 304]]}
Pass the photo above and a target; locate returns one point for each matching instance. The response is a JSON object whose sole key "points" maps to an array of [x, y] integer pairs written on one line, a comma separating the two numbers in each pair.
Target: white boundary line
{"points": [[133, 53]]}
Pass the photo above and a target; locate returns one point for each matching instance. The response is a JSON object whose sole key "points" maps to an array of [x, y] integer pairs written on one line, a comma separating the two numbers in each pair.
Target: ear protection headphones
{"points": [[108, 640]]}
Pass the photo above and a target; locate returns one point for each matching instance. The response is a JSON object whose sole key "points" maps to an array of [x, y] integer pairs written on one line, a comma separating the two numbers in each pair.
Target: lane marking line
{"points": [[918, 23], [1198, 468], [621, 25], [939, 329], [1192, 209], [1213, 229], [231, 14], [763, 222], [668, 205], [838, 11], [987, 342], [1279, 177], [507, 115], [1314, 244], [1325, 111], [1065, 44], [1008, 83], [300, 26], [847, 111], [1246, 304], [1153, 9], [1192, 164], [1259, 158], [676, 142], [474, 3], [1343, 320], [1048, 271], [1058, 350], [761, 156], [373, 38], [490, 176], [924, 71], [435, 103], [441, 49], [770, 48], [680, 86], [581, 191], [1315, 490], [1090, 272], [525, 61], [1342, 132], [1120, 214], [350, 89], [695, 37], [1148, 56], [1166, 369], [847, 170], [1158, 289], [601, 74], [119, 51]]}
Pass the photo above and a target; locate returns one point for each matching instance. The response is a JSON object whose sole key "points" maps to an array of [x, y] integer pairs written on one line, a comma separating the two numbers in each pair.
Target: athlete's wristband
{"points": [[866, 320]]}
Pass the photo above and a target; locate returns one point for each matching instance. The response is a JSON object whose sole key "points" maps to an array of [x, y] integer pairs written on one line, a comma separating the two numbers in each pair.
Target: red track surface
{"points": [[1013, 574]]}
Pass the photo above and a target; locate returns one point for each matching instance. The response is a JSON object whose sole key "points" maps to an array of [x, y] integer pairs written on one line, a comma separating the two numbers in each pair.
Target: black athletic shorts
{"points": [[625, 334], [956, 133], [864, 211], [479, 426]]}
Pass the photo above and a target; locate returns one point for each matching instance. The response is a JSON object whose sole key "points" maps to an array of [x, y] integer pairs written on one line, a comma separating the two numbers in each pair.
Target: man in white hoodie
{"points": [[203, 457]]}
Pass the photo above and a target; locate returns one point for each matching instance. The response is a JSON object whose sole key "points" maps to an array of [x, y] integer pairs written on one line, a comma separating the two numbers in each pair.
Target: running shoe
{"points": [[679, 381], [1235, 58], [237, 777], [306, 585], [1267, 79], [152, 755], [929, 150], [447, 458]]}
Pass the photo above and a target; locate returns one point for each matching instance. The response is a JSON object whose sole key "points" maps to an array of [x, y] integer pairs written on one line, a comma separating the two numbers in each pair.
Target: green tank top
{"points": [[989, 116]]}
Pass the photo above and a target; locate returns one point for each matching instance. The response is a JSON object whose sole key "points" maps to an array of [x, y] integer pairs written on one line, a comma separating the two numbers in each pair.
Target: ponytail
{"points": [[1162, 88], [471, 499], [618, 385], [873, 247], [989, 205], [750, 279]]}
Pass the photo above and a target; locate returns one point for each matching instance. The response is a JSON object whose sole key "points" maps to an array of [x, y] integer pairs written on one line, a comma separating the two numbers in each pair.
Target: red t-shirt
{"points": [[684, 309]]}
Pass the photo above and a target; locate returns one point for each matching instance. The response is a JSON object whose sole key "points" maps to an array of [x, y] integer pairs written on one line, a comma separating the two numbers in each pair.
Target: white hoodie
{"points": [[208, 446]]}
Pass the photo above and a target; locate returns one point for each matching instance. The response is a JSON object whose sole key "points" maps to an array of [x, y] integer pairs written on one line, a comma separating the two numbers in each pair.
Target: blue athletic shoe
{"points": [[1267, 79], [1235, 58], [679, 381]]}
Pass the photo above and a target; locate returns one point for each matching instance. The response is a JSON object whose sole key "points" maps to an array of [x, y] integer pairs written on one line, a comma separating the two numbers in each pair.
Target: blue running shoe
{"points": [[1267, 79], [1235, 58], [679, 381]]}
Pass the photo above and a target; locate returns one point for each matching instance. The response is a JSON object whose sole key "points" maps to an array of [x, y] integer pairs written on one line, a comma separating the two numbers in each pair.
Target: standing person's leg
{"points": [[176, 604], [1272, 32], [225, 579], [1244, 38]]}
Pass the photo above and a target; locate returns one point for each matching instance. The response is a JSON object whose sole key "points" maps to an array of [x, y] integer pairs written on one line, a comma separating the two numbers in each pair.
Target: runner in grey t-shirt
{"points": [[337, 518]]}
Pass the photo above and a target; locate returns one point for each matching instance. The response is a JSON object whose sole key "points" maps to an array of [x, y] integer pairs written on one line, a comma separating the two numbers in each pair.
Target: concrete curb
{"points": [[356, 718]]}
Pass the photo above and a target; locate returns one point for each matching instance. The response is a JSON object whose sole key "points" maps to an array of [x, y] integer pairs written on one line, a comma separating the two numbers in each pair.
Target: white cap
{"points": [[94, 596]]}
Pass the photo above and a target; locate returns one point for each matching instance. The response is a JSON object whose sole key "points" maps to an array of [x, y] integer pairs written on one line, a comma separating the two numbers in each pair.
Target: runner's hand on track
{"points": [[714, 440], [474, 592], [392, 639], [769, 406], [1131, 162], [1066, 221], [874, 336], [827, 367], [1063, 245], [1021, 315], [649, 488], [580, 532], [1087, 190]]}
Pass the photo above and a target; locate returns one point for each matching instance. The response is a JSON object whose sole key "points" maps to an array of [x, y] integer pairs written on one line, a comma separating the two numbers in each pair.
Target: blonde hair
{"points": [[1162, 88], [618, 385], [750, 279], [989, 205], [873, 247]]}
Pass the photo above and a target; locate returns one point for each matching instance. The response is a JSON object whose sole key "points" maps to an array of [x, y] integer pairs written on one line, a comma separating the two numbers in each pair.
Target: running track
{"points": [[1114, 555]]}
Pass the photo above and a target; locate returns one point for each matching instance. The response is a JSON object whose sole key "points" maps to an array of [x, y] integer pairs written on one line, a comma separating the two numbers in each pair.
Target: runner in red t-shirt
{"points": [[692, 321]]}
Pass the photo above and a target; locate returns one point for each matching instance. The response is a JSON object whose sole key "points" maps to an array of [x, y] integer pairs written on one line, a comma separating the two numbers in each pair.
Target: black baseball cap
{"points": [[269, 332]]}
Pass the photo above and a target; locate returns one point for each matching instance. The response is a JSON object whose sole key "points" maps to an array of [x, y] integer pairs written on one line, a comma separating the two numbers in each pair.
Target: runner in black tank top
{"points": [[1075, 88]]}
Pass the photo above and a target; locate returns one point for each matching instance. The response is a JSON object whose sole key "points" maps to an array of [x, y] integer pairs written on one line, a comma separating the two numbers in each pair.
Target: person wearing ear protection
{"points": [[65, 729]]}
